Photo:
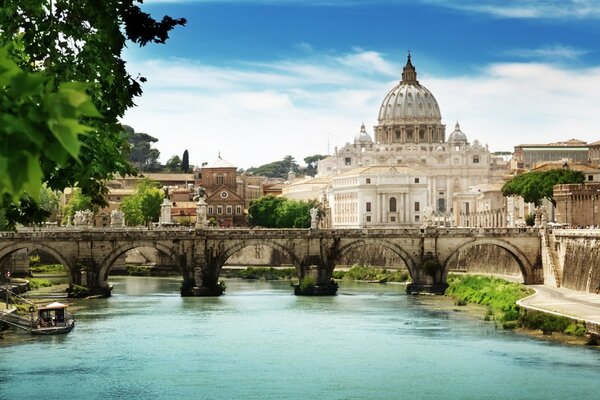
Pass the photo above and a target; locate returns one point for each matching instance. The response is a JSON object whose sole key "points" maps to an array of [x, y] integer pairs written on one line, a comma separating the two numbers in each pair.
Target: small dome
{"points": [[457, 137], [362, 137]]}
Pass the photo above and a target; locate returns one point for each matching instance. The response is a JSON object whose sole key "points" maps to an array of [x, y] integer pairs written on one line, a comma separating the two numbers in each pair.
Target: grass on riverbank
{"points": [[371, 274], [501, 297], [48, 269], [267, 273]]}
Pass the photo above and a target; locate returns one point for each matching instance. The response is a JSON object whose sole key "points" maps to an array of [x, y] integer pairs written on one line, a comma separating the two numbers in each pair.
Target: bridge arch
{"points": [[273, 244], [525, 266], [108, 261], [351, 245], [11, 248]]}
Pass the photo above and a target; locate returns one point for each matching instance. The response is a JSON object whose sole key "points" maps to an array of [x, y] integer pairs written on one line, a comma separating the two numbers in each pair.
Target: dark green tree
{"points": [[141, 152], [279, 212], [185, 162], [82, 40], [537, 185], [311, 164], [276, 169], [173, 164], [144, 206]]}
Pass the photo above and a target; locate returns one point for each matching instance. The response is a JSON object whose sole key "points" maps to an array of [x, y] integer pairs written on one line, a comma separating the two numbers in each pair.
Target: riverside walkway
{"points": [[580, 306]]}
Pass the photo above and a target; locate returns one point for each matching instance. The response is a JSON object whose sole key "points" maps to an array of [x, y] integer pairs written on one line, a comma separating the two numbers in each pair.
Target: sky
{"points": [[257, 80]]}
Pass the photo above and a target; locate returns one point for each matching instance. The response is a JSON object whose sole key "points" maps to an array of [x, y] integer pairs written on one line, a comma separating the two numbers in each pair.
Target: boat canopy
{"points": [[53, 306]]}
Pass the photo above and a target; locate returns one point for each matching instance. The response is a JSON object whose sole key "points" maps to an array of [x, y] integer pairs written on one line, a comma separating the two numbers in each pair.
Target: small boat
{"points": [[52, 319]]}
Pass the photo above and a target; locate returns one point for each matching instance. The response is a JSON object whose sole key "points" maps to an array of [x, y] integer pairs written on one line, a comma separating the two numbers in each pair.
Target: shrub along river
{"points": [[260, 342]]}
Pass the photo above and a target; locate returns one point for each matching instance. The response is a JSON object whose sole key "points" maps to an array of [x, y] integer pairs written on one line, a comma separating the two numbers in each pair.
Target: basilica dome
{"points": [[457, 137], [409, 101], [362, 137]]}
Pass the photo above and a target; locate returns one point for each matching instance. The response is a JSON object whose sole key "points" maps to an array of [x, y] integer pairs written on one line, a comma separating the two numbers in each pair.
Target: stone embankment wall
{"points": [[577, 255], [486, 259]]}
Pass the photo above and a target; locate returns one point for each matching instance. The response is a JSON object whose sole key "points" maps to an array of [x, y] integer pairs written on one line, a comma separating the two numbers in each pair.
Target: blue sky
{"points": [[261, 79]]}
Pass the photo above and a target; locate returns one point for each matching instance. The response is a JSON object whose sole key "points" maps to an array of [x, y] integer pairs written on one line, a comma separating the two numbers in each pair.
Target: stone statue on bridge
{"points": [[116, 219], [83, 218], [314, 218]]}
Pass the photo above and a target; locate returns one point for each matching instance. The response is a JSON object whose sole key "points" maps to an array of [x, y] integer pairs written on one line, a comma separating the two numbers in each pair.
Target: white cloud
{"points": [[552, 52], [261, 112], [549, 9]]}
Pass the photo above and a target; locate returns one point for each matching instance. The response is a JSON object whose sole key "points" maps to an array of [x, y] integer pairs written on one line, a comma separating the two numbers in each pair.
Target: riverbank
{"points": [[502, 301]]}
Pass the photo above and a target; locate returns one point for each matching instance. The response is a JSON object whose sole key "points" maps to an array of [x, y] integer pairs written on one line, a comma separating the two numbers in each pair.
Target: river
{"points": [[260, 342]]}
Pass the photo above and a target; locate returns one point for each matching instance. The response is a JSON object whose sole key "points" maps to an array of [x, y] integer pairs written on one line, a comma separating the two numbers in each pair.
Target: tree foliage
{"points": [[279, 212], [185, 162], [80, 40], [311, 164], [37, 121], [173, 164], [144, 206], [537, 185], [276, 169], [141, 152], [78, 202]]}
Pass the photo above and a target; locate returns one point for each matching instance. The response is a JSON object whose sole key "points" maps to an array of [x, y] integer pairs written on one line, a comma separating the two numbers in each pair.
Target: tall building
{"points": [[410, 170]]}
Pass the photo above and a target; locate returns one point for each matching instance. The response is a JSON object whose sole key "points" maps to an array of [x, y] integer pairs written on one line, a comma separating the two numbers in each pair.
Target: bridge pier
{"points": [[429, 277], [86, 282], [315, 279]]}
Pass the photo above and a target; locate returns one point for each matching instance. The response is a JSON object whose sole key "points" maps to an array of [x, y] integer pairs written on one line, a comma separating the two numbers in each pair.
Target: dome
{"points": [[457, 137], [409, 101], [362, 137]]}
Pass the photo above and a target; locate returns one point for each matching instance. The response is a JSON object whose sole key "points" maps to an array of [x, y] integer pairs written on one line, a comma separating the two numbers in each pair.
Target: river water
{"points": [[260, 342]]}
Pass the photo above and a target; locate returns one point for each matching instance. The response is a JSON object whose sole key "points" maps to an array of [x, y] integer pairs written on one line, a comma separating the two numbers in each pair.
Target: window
{"points": [[348, 161], [368, 206], [219, 209], [368, 218], [416, 218], [238, 210], [393, 219], [224, 194], [368, 180], [441, 204], [209, 210], [475, 159], [220, 179], [416, 180], [229, 210], [590, 178], [417, 206], [392, 204]]}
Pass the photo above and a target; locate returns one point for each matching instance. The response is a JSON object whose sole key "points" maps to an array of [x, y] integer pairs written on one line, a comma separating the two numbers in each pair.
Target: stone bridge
{"points": [[201, 253]]}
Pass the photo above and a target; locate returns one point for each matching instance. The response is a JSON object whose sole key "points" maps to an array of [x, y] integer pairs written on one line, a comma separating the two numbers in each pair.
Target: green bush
{"points": [[499, 295], [47, 268], [138, 270], [576, 329], [36, 283], [547, 323], [307, 284], [510, 324], [365, 273], [269, 273], [34, 260], [78, 291]]}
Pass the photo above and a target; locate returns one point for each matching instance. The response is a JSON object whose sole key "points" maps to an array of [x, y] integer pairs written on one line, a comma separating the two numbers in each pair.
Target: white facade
{"points": [[378, 196], [410, 140]]}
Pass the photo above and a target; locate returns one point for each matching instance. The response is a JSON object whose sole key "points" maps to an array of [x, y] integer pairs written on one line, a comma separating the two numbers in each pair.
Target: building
{"points": [[410, 138], [224, 204], [577, 204], [528, 156]]}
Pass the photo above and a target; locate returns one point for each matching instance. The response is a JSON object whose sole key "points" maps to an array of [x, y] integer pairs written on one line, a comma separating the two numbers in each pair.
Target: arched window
{"points": [[392, 204]]}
